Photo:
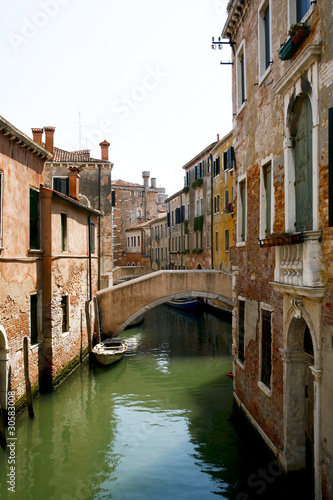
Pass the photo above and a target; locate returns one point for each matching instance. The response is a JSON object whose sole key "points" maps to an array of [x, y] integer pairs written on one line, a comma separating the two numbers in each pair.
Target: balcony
{"points": [[298, 267]]}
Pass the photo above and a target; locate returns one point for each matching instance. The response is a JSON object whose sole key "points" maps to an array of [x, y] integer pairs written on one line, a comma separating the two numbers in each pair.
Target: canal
{"points": [[158, 425]]}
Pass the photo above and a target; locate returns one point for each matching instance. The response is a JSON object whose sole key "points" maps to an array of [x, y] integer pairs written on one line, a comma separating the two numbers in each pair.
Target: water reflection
{"points": [[152, 426]]}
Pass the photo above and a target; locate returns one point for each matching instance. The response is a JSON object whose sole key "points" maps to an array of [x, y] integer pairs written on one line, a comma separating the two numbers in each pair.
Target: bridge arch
{"points": [[121, 304]]}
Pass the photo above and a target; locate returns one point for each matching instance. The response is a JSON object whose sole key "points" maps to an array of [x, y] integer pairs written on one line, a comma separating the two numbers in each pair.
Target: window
{"points": [[266, 201], [226, 197], [172, 218], [33, 319], [241, 218], [188, 210], [209, 167], [134, 241], [188, 178], [302, 6], [201, 206], [92, 237], [61, 184], [216, 204], [226, 240], [241, 76], [65, 313], [128, 242], [241, 330], [216, 241], [1, 184], [64, 247], [266, 347], [34, 230], [216, 165], [139, 241], [264, 38]]}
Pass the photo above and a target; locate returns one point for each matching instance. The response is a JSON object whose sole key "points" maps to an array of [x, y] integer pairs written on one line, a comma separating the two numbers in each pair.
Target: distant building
{"points": [[159, 242], [138, 245], [222, 204], [197, 200], [178, 233], [133, 204]]}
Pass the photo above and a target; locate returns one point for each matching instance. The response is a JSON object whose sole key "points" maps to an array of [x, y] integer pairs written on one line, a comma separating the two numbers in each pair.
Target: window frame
{"points": [[241, 93], [242, 211], [264, 39], [264, 310], [264, 230]]}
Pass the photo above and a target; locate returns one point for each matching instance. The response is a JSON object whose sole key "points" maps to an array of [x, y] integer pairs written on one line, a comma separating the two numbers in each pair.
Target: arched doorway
{"points": [[301, 132], [3, 368], [300, 399]]}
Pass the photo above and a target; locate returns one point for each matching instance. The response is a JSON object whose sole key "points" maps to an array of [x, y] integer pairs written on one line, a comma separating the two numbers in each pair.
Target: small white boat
{"points": [[110, 351]]}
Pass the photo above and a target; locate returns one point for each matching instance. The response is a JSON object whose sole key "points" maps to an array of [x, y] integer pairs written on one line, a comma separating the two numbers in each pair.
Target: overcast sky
{"points": [[139, 73]]}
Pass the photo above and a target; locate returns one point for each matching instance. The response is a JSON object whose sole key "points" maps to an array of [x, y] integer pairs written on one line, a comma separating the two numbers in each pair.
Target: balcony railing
{"points": [[301, 264]]}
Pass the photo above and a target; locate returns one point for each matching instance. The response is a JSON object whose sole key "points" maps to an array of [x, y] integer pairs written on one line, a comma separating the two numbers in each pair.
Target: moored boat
{"points": [[184, 304], [110, 351]]}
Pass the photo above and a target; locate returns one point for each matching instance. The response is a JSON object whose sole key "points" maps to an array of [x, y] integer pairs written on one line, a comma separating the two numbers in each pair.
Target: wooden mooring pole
{"points": [[27, 378]]}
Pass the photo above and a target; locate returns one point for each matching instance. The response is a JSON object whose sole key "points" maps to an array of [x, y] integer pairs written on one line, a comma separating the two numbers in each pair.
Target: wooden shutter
{"points": [[303, 165]]}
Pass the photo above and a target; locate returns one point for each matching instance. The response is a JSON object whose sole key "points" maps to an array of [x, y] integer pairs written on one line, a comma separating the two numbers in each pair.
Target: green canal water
{"points": [[158, 425]]}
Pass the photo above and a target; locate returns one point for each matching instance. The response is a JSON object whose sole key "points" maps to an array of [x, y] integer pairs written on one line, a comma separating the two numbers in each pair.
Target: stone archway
{"points": [[301, 395], [3, 368]]}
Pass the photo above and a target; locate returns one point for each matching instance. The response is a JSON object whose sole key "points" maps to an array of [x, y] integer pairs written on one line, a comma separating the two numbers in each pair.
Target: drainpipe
{"points": [[211, 211], [181, 232], [99, 230], [89, 260]]}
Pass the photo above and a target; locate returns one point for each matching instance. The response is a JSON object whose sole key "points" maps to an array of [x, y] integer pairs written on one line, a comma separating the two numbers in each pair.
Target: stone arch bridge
{"points": [[119, 305]]}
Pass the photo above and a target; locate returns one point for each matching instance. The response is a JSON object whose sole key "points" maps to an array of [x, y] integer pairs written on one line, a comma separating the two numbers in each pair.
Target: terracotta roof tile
{"points": [[83, 156]]}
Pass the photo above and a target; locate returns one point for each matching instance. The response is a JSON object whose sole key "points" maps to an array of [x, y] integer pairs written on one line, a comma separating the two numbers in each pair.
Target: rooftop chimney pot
{"points": [[37, 134], [105, 150], [49, 139]]}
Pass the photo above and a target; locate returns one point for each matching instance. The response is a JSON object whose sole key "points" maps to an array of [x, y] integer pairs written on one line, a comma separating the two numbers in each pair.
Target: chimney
{"points": [[105, 150], [74, 183], [145, 176], [153, 183], [49, 136], [37, 134], [218, 137]]}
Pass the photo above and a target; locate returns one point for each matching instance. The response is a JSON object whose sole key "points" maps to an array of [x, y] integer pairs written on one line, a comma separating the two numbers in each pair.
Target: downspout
{"points": [[211, 212], [89, 259], [181, 232], [99, 230]]}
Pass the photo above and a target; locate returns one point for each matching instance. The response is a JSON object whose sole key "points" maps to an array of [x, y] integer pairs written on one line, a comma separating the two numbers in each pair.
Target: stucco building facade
{"points": [[45, 270], [282, 272]]}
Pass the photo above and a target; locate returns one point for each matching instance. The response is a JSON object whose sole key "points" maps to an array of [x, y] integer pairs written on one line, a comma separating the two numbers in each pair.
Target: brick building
{"points": [[283, 306], [95, 189], [133, 204], [44, 269]]}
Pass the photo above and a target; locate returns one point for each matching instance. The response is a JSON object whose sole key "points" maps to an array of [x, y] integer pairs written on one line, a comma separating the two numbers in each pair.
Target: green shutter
{"points": [[34, 234], [303, 165]]}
